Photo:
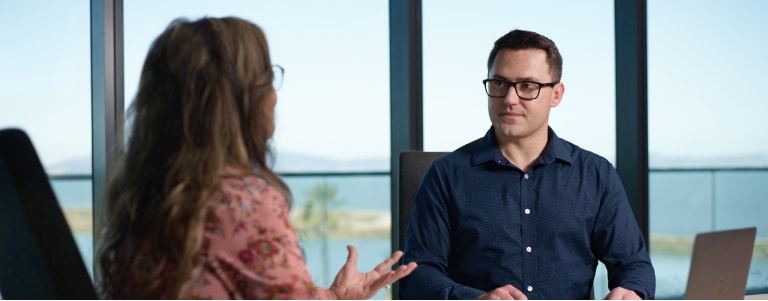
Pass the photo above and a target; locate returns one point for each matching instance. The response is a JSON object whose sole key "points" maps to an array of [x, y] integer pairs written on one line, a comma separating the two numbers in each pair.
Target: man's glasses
{"points": [[526, 90], [277, 76]]}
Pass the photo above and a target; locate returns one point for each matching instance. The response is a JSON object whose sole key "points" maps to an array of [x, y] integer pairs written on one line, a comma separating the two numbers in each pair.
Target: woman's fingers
{"points": [[351, 255], [396, 255], [389, 262], [404, 270], [395, 275]]}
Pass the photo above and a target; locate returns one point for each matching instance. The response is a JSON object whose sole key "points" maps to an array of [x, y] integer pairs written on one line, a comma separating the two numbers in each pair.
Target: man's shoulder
{"points": [[581, 156], [462, 155]]}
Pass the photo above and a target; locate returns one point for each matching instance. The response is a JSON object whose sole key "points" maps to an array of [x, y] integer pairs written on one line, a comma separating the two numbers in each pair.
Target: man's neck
{"points": [[523, 152]]}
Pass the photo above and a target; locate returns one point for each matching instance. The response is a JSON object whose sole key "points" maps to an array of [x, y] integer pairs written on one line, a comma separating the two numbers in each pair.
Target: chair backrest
{"points": [[38, 255], [413, 166]]}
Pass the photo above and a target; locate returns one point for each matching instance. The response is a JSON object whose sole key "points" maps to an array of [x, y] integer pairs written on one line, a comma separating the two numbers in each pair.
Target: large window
{"points": [[332, 133], [708, 156], [46, 91], [459, 35], [708, 161]]}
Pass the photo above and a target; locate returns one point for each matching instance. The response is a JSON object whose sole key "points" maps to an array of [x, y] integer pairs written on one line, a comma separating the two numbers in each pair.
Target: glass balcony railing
{"points": [[342, 209], [75, 195], [332, 210], [684, 202]]}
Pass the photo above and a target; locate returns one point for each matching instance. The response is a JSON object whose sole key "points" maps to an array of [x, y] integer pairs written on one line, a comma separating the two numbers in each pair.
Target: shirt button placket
{"points": [[527, 211], [528, 223]]}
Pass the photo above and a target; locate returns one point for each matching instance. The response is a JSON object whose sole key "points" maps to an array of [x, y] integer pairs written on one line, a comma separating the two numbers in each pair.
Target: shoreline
{"points": [[377, 224], [80, 219]]}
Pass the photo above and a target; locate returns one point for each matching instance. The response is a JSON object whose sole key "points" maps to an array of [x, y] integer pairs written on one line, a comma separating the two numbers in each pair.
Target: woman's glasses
{"points": [[277, 76]]}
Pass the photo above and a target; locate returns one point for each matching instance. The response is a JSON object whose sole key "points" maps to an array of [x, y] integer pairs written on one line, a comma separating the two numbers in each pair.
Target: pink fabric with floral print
{"points": [[250, 250]]}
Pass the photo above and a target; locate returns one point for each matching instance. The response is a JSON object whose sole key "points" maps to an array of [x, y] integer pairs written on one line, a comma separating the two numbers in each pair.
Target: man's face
{"points": [[512, 117]]}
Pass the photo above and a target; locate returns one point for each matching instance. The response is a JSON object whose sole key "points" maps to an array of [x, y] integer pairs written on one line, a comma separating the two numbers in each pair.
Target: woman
{"points": [[193, 209]]}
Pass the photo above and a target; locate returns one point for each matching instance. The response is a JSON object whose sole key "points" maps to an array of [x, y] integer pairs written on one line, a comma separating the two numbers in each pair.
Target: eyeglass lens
{"points": [[524, 90]]}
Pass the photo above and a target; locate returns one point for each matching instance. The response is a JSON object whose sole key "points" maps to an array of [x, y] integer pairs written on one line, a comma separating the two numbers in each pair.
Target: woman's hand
{"points": [[351, 284]]}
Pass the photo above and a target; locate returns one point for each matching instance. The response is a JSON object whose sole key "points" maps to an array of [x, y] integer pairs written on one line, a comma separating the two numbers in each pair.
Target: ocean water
{"points": [[355, 192], [682, 203]]}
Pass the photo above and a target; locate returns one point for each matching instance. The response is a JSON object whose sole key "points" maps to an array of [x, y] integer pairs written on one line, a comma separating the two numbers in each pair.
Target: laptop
{"points": [[720, 264]]}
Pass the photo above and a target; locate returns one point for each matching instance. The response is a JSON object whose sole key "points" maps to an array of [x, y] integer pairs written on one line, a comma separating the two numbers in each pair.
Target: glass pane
{"points": [[332, 114], [355, 211], [455, 63], [75, 194], [708, 165], [46, 74], [332, 111], [46, 79]]}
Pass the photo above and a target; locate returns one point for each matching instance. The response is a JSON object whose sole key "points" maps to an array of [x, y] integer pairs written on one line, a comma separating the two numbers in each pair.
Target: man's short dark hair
{"points": [[521, 39]]}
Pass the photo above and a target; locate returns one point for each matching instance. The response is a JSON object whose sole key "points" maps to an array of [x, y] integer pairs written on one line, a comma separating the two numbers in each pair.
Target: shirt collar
{"points": [[487, 149]]}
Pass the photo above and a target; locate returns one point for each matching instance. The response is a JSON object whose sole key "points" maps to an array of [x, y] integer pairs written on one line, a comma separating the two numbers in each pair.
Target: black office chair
{"points": [[413, 166], [38, 255]]}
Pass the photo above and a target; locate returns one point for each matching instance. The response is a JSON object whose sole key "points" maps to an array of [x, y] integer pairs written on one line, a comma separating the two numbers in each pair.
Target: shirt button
{"points": [[528, 249], [527, 211], [525, 176], [530, 288]]}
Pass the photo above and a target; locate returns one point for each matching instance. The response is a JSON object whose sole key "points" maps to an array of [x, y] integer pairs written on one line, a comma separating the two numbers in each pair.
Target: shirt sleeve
{"points": [[428, 244], [250, 248], [619, 243]]}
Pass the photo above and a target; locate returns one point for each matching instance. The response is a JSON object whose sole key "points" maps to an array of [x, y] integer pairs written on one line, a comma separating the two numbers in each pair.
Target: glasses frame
{"points": [[278, 73], [514, 84]]}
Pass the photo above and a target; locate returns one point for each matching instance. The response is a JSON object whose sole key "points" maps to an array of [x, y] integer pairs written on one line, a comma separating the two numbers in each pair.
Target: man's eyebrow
{"points": [[527, 79], [496, 76], [522, 79]]}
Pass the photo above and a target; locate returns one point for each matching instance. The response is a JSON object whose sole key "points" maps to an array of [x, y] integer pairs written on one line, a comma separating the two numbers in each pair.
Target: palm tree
{"points": [[322, 195]]}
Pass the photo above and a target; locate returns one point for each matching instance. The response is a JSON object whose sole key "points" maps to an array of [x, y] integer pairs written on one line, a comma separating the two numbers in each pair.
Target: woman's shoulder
{"points": [[242, 182], [247, 191]]}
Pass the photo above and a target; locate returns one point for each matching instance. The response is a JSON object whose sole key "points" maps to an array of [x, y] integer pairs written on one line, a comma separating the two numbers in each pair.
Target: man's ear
{"points": [[559, 90]]}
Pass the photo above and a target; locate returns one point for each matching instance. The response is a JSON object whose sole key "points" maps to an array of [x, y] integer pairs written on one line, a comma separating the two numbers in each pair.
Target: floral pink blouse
{"points": [[250, 249]]}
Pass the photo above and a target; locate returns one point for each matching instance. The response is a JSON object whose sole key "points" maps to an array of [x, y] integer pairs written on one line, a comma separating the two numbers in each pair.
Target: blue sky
{"points": [[706, 66]]}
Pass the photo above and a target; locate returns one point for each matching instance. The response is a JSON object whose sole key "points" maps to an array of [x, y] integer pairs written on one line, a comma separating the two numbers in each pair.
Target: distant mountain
{"points": [[748, 160], [295, 162], [76, 166], [288, 162], [284, 162]]}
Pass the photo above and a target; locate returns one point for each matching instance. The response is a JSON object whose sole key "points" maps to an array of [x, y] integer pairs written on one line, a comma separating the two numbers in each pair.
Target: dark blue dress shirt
{"points": [[478, 223]]}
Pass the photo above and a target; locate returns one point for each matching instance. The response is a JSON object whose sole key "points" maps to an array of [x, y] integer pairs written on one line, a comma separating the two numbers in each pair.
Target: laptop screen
{"points": [[720, 264]]}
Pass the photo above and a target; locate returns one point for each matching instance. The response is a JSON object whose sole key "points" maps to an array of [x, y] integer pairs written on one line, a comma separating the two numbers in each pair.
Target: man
{"points": [[522, 213]]}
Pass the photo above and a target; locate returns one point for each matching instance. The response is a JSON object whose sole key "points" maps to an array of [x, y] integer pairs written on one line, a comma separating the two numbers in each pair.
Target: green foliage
{"points": [[317, 217]]}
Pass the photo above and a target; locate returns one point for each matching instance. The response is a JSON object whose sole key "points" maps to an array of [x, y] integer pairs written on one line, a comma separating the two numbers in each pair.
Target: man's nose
{"points": [[511, 97]]}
